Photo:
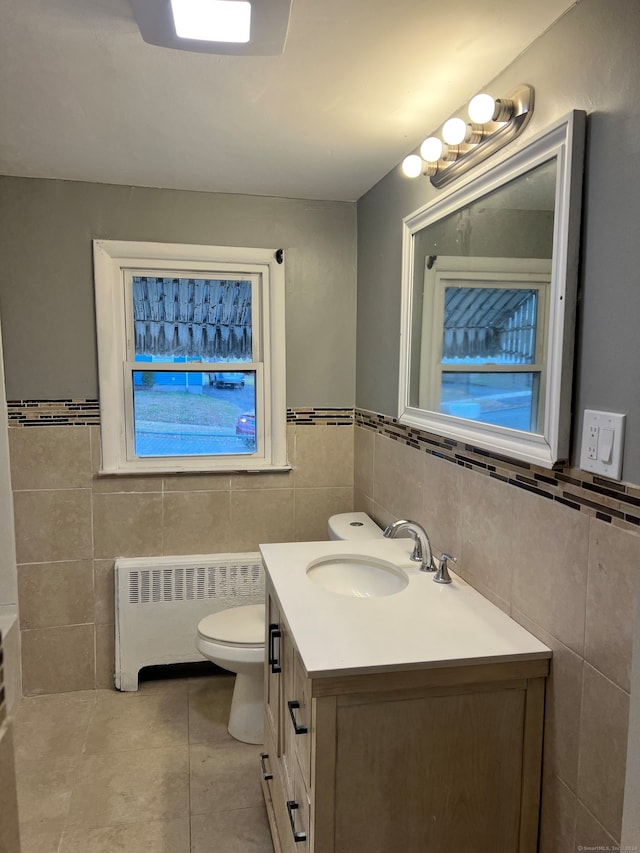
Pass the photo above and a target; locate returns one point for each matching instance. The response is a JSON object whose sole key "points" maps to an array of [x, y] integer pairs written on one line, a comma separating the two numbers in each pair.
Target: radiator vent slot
{"points": [[160, 600], [224, 581]]}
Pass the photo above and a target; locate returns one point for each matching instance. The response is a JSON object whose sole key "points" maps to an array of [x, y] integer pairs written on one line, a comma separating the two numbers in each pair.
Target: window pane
{"points": [[192, 318], [492, 325], [501, 399], [185, 413]]}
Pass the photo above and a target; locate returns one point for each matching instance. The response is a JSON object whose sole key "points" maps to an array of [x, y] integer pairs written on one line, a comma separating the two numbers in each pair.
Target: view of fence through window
{"points": [[188, 411], [489, 368]]}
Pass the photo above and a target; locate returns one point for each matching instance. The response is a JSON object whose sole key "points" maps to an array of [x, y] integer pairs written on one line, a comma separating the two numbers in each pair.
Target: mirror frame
{"points": [[563, 141]]}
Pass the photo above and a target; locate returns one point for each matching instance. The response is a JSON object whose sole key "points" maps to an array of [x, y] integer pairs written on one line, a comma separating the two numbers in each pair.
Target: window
{"points": [[485, 340], [191, 357]]}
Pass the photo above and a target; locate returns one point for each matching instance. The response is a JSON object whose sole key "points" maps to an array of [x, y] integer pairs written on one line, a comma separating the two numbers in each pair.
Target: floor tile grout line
{"points": [[65, 823]]}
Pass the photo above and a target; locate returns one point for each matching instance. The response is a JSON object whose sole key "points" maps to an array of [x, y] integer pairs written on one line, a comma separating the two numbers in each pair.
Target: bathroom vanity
{"points": [[409, 721]]}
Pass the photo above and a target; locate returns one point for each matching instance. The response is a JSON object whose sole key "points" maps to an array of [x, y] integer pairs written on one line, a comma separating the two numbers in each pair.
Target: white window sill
{"points": [[181, 469]]}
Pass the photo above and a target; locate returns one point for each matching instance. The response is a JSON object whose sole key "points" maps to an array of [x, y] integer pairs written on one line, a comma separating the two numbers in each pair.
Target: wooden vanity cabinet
{"points": [[423, 761]]}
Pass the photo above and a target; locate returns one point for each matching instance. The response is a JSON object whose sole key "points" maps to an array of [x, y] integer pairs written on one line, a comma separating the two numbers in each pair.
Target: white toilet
{"points": [[234, 640], [353, 525]]}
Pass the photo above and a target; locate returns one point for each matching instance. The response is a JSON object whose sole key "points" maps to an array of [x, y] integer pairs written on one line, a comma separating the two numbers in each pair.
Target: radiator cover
{"points": [[160, 600]]}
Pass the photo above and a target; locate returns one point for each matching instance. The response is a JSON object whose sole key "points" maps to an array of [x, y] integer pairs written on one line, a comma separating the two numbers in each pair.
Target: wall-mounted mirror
{"points": [[488, 303]]}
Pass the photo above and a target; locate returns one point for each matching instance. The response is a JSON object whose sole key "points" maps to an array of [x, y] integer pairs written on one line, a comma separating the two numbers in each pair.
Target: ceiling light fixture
{"points": [[212, 20], [494, 123], [232, 27]]}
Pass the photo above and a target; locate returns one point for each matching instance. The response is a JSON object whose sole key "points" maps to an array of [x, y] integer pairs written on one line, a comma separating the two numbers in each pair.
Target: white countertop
{"points": [[424, 625]]}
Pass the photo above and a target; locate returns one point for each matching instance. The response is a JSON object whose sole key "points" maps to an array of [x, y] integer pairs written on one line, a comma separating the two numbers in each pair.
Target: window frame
{"points": [[562, 143], [480, 273], [114, 261]]}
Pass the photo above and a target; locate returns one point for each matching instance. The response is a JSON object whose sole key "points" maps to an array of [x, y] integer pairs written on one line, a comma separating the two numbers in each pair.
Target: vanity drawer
{"points": [[296, 719], [271, 779], [299, 816], [269, 763], [301, 720], [273, 674], [289, 811]]}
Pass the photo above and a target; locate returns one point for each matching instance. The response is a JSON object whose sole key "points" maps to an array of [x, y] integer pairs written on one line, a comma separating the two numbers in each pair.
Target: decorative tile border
{"points": [[323, 416], [25, 413], [608, 500]]}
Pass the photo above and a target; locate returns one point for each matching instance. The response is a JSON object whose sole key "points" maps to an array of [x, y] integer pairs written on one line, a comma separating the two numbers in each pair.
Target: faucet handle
{"points": [[442, 575]]}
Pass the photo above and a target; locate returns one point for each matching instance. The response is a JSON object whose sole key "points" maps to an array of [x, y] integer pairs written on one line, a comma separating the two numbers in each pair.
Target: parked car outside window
{"points": [[228, 380], [246, 427]]}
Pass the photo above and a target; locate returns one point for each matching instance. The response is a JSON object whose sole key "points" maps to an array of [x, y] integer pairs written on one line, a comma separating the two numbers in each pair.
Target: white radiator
{"points": [[160, 600]]}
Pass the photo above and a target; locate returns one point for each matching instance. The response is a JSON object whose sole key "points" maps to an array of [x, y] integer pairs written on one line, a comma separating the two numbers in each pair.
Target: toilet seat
{"points": [[238, 626]]}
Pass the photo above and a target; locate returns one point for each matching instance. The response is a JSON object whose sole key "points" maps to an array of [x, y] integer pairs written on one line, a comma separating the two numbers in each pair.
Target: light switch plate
{"points": [[602, 443]]}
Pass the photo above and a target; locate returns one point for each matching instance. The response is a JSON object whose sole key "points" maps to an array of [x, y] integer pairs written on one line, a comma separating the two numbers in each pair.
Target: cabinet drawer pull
{"points": [[298, 729], [298, 835], [266, 775], [274, 633]]}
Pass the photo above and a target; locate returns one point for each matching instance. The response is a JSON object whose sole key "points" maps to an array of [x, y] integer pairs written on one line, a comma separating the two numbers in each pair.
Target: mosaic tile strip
{"points": [[25, 413], [616, 503], [325, 417], [87, 413]]}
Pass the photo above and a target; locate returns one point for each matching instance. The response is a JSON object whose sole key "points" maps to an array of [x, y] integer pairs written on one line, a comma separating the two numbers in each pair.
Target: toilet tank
{"points": [[353, 525]]}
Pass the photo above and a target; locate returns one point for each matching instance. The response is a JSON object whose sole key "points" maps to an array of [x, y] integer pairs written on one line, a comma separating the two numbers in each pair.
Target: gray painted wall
{"points": [[588, 60], [46, 287]]}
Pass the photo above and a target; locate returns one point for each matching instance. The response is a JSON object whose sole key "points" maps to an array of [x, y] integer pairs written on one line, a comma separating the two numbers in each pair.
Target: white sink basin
{"points": [[359, 577]]}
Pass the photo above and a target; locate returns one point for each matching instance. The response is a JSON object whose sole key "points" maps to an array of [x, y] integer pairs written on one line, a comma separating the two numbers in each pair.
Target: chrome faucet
{"points": [[422, 549]]}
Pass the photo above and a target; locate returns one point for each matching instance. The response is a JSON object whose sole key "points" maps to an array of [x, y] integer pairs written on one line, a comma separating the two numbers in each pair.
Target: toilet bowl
{"points": [[234, 640]]}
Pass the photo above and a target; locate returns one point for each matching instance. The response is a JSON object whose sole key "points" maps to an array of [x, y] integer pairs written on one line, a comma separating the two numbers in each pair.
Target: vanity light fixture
{"points": [[232, 27], [462, 145]]}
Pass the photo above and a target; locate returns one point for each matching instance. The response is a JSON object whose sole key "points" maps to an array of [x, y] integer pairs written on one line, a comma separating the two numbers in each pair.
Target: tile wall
{"points": [[566, 568], [559, 551], [71, 524]]}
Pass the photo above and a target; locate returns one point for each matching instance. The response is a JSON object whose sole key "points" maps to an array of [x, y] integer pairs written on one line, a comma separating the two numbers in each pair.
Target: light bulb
{"points": [[431, 149], [481, 108], [412, 166], [454, 131]]}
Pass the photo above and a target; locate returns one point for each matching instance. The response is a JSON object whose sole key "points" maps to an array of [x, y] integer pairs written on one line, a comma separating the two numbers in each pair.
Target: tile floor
{"points": [[149, 772]]}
